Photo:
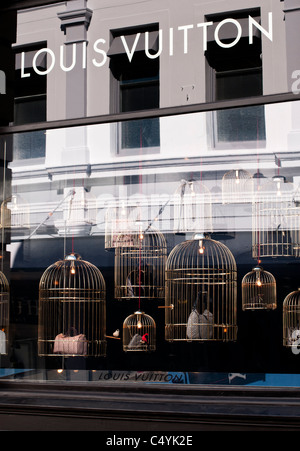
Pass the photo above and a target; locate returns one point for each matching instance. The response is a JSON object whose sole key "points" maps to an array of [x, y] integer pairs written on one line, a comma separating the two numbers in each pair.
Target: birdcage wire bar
{"points": [[192, 208], [72, 308], [291, 320], [139, 333], [4, 313], [140, 265], [201, 292], [237, 187], [259, 290], [276, 220]]}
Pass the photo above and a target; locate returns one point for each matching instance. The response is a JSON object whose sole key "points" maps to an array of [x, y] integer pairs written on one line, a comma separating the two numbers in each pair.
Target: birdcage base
{"points": [[255, 307], [212, 333], [92, 349]]}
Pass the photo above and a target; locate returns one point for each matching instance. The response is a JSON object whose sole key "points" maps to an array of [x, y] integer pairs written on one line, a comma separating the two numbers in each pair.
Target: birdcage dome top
{"points": [[72, 272], [259, 272], [237, 173], [293, 299], [146, 237], [201, 252]]}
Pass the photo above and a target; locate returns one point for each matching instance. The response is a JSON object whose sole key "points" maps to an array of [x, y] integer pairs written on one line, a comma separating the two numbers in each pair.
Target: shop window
{"points": [[234, 73], [29, 106], [135, 87]]}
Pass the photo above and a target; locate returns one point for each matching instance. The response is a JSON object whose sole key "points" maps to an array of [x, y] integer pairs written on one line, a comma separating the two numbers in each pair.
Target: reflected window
{"points": [[235, 73], [135, 87], [30, 106]]}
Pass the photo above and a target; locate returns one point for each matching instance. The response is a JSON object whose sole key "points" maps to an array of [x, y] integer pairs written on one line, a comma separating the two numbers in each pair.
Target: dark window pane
{"points": [[238, 84], [141, 134], [139, 96], [30, 145], [241, 124]]}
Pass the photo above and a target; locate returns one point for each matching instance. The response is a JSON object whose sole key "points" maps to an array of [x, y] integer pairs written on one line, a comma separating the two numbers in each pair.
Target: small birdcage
{"points": [[192, 208], [139, 333], [259, 291], [4, 314], [120, 219], [201, 292], [276, 220], [237, 187], [291, 320], [72, 309], [140, 265]]}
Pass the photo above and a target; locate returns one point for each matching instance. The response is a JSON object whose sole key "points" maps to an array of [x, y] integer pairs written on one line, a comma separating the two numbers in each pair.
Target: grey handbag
{"points": [[199, 327], [206, 325], [193, 330]]}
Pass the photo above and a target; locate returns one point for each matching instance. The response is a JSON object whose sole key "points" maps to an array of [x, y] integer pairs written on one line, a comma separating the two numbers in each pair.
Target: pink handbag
{"points": [[66, 345]]}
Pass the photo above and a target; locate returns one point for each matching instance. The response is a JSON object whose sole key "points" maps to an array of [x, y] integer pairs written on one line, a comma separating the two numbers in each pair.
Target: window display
{"points": [[179, 266]]}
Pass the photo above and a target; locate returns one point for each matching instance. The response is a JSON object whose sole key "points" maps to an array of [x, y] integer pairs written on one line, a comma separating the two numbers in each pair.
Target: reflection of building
{"points": [[139, 104]]}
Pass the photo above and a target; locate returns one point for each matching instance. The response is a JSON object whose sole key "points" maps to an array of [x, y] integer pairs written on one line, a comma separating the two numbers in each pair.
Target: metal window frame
{"points": [[156, 113]]}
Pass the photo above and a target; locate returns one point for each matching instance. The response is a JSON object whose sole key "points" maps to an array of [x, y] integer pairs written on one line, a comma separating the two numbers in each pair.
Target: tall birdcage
{"points": [[259, 291], [4, 314], [72, 309], [192, 208], [139, 333], [140, 265], [237, 187], [291, 320], [276, 220], [201, 292]]}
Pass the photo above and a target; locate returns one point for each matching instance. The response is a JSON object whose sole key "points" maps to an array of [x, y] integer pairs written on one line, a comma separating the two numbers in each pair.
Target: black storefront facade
{"points": [[165, 230]]}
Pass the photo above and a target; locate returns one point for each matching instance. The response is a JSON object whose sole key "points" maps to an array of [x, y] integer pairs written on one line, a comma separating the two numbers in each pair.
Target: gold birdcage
{"points": [[140, 265], [4, 314], [72, 309], [259, 291], [201, 292], [139, 333], [291, 320], [237, 187], [276, 220], [192, 208]]}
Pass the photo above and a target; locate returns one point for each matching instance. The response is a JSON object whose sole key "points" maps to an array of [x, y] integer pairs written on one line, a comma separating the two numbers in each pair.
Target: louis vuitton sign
{"points": [[226, 34]]}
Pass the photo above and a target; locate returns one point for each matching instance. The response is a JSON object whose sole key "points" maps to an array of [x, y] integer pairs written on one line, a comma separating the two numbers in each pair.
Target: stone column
{"points": [[75, 22]]}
